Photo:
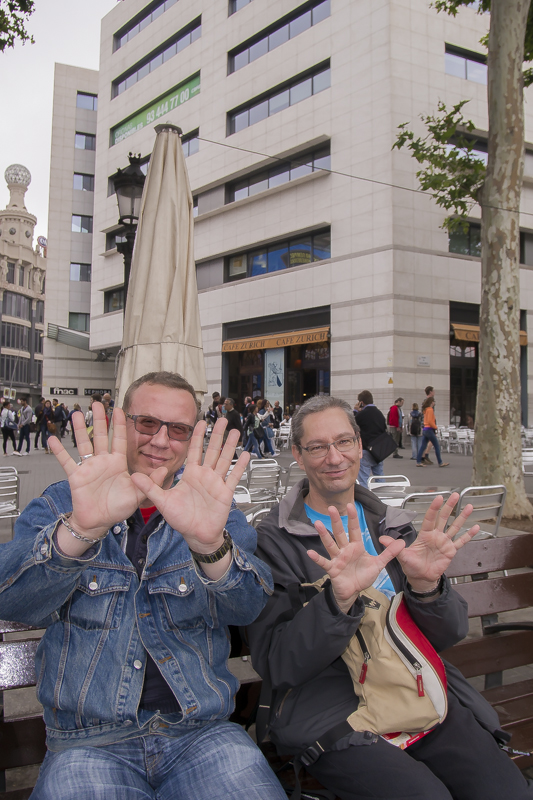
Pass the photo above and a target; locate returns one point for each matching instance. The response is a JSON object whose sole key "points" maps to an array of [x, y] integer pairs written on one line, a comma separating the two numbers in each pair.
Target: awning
{"points": [[470, 333], [310, 336]]}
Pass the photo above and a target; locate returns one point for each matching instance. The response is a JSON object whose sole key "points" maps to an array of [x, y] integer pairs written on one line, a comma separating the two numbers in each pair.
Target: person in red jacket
{"points": [[395, 423]]}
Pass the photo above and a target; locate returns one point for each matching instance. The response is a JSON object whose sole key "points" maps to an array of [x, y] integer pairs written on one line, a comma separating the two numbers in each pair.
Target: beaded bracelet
{"points": [[65, 520]]}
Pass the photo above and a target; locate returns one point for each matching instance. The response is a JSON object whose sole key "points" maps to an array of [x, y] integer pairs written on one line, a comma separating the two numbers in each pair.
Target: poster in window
{"points": [[275, 374]]}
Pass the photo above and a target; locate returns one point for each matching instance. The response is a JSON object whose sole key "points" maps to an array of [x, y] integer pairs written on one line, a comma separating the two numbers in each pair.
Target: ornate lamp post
{"points": [[129, 184]]}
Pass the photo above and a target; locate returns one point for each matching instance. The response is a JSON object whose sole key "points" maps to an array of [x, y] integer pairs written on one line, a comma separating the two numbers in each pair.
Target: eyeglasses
{"points": [[342, 445], [178, 431]]}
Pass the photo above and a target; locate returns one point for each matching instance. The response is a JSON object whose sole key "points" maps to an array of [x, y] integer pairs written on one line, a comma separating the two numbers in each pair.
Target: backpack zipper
{"points": [[417, 666], [366, 656]]}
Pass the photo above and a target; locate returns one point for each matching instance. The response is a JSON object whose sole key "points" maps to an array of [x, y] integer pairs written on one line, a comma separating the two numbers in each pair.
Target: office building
{"points": [[320, 267]]}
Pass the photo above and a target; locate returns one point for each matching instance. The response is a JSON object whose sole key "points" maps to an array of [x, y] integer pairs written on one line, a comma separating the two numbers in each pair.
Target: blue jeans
{"points": [[252, 444], [367, 466], [428, 435], [24, 436], [416, 441], [205, 762]]}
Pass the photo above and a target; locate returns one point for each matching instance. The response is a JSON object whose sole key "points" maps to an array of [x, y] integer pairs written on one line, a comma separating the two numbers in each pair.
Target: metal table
{"points": [[395, 495]]}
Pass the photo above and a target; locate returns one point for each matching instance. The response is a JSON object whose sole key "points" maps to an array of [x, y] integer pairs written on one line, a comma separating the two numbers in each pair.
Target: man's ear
{"points": [[297, 456]]}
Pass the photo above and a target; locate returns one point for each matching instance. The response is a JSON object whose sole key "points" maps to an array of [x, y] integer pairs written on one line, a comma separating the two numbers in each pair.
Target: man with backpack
{"points": [[348, 644]]}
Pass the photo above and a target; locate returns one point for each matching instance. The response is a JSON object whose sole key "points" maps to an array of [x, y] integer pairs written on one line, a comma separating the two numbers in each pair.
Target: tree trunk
{"points": [[497, 453]]}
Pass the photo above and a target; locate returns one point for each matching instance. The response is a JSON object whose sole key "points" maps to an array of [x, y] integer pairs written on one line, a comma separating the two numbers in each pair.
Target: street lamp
{"points": [[129, 185]]}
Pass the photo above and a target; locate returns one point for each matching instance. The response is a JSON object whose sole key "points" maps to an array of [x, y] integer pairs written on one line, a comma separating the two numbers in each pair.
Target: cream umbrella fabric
{"points": [[162, 319]]}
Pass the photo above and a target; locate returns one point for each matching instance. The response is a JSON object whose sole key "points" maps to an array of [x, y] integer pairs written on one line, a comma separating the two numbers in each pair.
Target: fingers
{"points": [[393, 547], [432, 518], [196, 447], [354, 531], [119, 442], [214, 448], [100, 437], [466, 537], [149, 485], [459, 522], [82, 437], [320, 560], [223, 463], [337, 527], [327, 540]]}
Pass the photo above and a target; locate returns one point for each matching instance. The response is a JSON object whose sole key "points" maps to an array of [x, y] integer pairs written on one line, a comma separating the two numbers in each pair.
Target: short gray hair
{"points": [[314, 406], [172, 380]]}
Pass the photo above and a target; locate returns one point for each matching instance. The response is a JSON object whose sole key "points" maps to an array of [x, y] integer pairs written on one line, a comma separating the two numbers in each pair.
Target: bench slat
{"points": [[490, 555], [515, 706], [22, 743], [497, 594], [491, 653], [17, 664]]}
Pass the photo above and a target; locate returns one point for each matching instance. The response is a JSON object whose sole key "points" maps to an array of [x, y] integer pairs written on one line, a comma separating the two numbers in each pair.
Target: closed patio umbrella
{"points": [[162, 318]]}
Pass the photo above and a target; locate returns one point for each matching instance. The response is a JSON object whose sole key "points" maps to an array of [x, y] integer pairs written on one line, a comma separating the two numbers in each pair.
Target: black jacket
{"points": [[371, 423], [301, 652]]}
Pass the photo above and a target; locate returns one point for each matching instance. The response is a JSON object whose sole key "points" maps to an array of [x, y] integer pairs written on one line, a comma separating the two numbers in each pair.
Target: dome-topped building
{"points": [[22, 273]]}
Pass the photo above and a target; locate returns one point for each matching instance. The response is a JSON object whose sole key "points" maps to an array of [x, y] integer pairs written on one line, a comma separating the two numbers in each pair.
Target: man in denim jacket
{"points": [[135, 567]]}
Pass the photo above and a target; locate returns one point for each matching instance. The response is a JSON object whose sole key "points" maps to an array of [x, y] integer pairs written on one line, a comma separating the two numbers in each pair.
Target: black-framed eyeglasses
{"points": [[179, 431], [343, 445]]}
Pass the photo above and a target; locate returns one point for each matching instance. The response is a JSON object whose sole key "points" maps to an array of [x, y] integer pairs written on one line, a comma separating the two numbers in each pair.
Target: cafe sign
{"points": [[311, 336]]}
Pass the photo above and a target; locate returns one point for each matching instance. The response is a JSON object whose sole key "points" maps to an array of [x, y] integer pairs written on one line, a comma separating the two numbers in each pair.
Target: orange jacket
{"points": [[429, 419]]}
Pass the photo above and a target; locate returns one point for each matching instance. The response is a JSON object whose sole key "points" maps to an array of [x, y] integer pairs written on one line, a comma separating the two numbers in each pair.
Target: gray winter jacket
{"points": [[301, 651]]}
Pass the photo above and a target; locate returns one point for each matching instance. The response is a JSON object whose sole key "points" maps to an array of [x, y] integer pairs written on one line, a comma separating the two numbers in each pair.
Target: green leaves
{"points": [[453, 173], [14, 14]]}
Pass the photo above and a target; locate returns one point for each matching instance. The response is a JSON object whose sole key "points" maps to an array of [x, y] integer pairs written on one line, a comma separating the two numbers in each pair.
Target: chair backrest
{"points": [[388, 480], [241, 495], [9, 496], [259, 515], [265, 478], [293, 475], [419, 502], [488, 502], [262, 462]]}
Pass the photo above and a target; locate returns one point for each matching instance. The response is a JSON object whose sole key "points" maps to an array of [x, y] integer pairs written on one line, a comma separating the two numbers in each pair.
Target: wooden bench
{"points": [[502, 645], [22, 738]]}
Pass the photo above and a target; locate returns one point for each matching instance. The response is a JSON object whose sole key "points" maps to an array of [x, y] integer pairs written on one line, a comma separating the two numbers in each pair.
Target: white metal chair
{"points": [[488, 502], [258, 516], [263, 482], [527, 460], [419, 502], [290, 477], [9, 497], [284, 436], [387, 480], [262, 462], [241, 495]]}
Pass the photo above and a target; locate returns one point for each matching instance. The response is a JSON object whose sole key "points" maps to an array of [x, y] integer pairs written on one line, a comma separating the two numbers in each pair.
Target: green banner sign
{"points": [[176, 97]]}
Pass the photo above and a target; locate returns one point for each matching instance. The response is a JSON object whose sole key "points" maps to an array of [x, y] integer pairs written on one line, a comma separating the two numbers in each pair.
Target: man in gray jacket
{"points": [[328, 526]]}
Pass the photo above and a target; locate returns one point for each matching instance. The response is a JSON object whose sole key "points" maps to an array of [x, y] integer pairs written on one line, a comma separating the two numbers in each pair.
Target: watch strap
{"points": [[212, 558]]}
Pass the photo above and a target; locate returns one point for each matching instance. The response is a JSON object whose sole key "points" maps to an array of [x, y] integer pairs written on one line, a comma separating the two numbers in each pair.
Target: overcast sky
{"points": [[66, 31]]}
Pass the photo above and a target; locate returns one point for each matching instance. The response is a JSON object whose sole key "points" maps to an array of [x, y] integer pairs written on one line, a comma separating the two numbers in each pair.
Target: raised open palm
{"points": [[101, 487], [350, 567], [199, 504]]}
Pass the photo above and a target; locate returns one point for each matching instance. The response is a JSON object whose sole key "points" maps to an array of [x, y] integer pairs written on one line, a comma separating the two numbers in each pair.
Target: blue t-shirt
{"points": [[383, 582]]}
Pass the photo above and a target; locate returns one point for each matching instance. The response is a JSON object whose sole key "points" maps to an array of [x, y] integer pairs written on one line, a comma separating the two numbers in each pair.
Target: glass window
{"points": [[113, 300], [183, 42], [82, 224], [21, 276], [169, 52], [145, 22], [467, 242], [240, 60], [259, 112], [85, 141], [158, 11], [301, 167], [143, 71], [301, 90], [39, 311], [10, 277], [322, 160], [237, 266], [278, 37], [322, 246], [257, 263], [279, 175], [240, 121], [455, 65], [321, 81], [78, 322], [259, 49], [475, 71], [84, 183], [321, 11], [300, 24], [300, 252], [80, 272], [279, 102], [259, 183], [195, 206], [154, 64], [196, 33], [278, 257], [88, 101], [240, 190], [194, 145]]}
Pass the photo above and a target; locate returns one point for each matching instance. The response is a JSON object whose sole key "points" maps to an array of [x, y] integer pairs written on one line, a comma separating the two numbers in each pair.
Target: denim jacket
{"points": [[100, 620]]}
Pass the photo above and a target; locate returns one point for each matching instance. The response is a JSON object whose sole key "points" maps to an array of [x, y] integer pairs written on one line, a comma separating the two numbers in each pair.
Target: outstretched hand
{"points": [[424, 561], [101, 487], [199, 504], [350, 568]]}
